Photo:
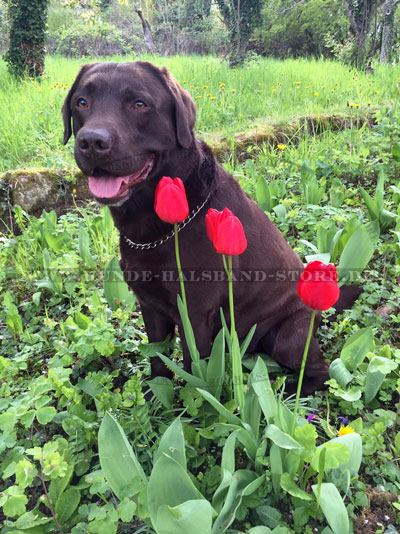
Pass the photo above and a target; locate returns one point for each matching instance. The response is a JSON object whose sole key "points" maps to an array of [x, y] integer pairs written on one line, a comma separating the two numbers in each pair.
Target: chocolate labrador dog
{"points": [[133, 124]]}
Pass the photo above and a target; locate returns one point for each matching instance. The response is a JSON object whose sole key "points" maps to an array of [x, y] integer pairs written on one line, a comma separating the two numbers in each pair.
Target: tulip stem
{"points": [[237, 373], [178, 263], [190, 340], [301, 375]]}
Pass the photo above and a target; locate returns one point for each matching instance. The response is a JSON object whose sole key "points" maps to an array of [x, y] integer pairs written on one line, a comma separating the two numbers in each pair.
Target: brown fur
{"points": [[164, 130]]}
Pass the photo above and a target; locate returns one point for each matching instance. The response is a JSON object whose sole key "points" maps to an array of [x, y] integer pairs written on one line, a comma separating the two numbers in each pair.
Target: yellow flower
{"points": [[377, 92], [205, 86], [184, 81], [280, 147], [74, 191], [316, 94], [233, 90], [212, 98], [343, 430], [369, 103]]}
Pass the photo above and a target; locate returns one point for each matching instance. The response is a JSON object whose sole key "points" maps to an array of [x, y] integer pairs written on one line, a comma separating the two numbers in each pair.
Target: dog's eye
{"points": [[139, 104], [82, 103]]}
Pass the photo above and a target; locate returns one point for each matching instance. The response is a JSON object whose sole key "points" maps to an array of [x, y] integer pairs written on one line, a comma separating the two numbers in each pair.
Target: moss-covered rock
{"points": [[38, 189]]}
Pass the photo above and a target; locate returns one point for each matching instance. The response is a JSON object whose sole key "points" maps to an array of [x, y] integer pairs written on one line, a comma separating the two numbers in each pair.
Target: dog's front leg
{"points": [[158, 327]]}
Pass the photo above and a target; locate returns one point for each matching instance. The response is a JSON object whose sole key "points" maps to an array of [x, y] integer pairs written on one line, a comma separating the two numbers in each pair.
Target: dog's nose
{"points": [[96, 142]]}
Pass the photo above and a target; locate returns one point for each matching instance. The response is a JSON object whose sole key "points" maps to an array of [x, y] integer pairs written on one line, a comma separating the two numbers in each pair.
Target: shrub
{"points": [[95, 40], [27, 37]]}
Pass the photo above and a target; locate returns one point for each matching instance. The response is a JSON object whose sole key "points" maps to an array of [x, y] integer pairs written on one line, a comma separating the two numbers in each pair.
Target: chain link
{"points": [[181, 226]]}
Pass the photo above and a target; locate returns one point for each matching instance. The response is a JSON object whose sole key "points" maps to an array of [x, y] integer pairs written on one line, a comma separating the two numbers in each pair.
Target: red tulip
{"points": [[226, 232], [318, 286], [170, 201]]}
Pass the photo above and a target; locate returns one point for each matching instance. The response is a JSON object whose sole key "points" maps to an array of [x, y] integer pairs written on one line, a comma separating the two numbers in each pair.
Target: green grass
{"points": [[267, 90]]}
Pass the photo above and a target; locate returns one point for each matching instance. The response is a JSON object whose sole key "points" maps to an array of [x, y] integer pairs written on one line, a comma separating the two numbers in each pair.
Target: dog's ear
{"points": [[66, 109], [185, 111]]}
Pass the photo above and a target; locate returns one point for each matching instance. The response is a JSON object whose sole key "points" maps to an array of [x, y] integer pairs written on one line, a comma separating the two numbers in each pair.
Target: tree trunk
{"points": [[147, 35], [389, 10]]}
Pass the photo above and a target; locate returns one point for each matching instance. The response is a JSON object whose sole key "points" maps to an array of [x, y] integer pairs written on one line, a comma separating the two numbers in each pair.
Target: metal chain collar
{"points": [[154, 244]]}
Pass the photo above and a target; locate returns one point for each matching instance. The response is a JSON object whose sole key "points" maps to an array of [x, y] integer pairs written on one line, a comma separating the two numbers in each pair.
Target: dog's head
{"points": [[125, 116]]}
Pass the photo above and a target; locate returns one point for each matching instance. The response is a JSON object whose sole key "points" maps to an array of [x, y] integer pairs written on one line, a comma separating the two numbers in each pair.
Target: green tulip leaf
{"points": [[191, 516], [288, 485], [356, 348], [333, 508], [339, 372]]}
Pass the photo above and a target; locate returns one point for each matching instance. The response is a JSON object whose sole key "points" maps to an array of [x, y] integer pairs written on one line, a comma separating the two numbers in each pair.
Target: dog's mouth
{"points": [[113, 188]]}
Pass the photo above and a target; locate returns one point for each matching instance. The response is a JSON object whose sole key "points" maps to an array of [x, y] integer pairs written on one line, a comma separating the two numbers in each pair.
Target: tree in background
{"points": [[26, 51], [183, 26], [241, 17], [388, 11], [361, 13], [298, 29]]}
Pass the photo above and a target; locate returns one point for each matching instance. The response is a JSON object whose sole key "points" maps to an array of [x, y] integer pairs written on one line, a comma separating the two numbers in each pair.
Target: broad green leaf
{"points": [[252, 411], [356, 348], [396, 151], [163, 389], [66, 504], [280, 211], [263, 194], [25, 472], [333, 508], [46, 414], [189, 378], [283, 440], [84, 247], [350, 395], [216, 366], [226, 414], [306, 436], [192, 516], [228, 453], [245, 344], [276, 468], [378, 368], [27, 419], [339, 372], [116, 290], [126, 510], [373, 382], [243, 483], [354, 443], [117, 459], [337, 454], [356, 254], [7, 422], [82, 320], [170, 485], [15, 506], [373, 209], [269, 516], [288, 485], [259, 381], [188, 331], [32, 519], [172, 444], [259, 530], [380, 364], [58, 485]]}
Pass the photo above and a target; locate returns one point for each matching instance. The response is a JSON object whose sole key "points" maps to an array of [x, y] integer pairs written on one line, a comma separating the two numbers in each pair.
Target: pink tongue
{"points": [[104, 187]]}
